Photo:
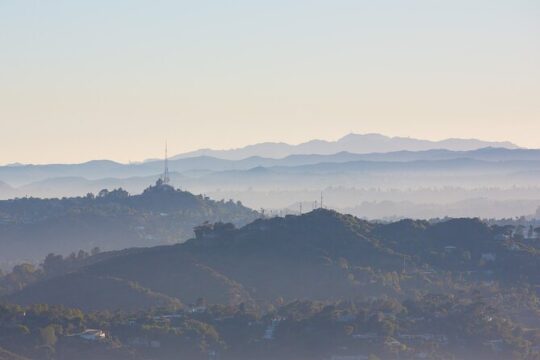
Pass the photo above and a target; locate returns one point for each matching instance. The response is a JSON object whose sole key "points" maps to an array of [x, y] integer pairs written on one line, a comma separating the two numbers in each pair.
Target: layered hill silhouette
{"points": [[354, 143], [491, 167], [30, 228], [23, 177], [320, 255]]}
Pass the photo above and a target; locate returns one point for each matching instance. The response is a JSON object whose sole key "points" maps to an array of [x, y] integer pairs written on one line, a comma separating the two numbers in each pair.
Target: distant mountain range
{"points": [[353, 147], [321, 255], [351, 175], [259, 177], [354, 143], [105, 170]]}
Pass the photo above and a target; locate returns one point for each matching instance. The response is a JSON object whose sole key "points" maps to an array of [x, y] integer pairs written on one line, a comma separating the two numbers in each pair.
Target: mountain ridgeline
{"points": [[354, 143], [350, 181], [30, 228], [322, 255]]}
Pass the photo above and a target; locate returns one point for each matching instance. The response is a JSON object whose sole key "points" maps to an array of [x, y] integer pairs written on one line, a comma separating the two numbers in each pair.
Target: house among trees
{"points": [[92, 335]]}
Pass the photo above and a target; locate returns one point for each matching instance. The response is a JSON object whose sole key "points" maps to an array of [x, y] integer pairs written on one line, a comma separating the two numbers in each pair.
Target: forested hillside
{"points": [[313, 286], [31, 228], [322, 255]]}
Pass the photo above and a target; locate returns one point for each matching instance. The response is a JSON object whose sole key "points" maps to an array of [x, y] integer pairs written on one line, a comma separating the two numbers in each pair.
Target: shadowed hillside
{"points": [[321, 255], [31, 228]]}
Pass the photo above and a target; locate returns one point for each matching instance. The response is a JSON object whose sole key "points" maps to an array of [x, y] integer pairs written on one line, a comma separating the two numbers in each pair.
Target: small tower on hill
{"points": [[165, 179]]}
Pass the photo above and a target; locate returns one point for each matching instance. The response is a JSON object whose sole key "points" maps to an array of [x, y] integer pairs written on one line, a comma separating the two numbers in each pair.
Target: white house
{"points": [[197, 309], [92, 335]]}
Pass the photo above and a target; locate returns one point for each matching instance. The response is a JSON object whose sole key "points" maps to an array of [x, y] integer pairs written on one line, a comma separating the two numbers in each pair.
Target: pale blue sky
{"points": [[112, 79]]}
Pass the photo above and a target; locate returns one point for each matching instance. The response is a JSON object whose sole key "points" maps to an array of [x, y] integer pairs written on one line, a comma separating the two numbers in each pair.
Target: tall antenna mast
{"points": [[166, 178], [321, 200]]}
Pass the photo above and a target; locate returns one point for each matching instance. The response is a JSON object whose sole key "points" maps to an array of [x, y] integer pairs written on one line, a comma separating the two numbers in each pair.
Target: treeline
{"points": [[25, 274], [431, 326]]}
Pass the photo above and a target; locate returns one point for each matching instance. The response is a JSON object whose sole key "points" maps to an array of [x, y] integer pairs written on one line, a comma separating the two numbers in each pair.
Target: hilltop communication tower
{"points": [[165, 179]]}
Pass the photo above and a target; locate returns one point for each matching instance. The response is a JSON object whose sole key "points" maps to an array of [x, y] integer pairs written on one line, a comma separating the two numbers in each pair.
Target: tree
{"points": [[103, 193], [118, 194], [507, 229], [48, 336], [24, 269], [82, 255], [53, 264], [22, 275], [386, 328], [530, 233], [201, 302], [348, 329], [518, 233], [22, 329]]}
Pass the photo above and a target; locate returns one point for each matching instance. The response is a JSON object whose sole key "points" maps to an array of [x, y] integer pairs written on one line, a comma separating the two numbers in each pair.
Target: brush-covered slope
{"points": [[163, 276], [295, 256], [320, 255], [91, 292]]}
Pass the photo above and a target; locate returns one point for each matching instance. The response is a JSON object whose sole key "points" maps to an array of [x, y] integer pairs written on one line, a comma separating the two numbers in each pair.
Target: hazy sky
{"points": [[93, 79]]}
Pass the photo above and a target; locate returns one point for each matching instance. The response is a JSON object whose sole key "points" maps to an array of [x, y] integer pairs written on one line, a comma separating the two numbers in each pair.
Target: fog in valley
{"points": [[485, 182]]}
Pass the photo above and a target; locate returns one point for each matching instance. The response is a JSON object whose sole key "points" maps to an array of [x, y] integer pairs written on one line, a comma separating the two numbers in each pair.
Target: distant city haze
{"points": [[114, 80]]}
